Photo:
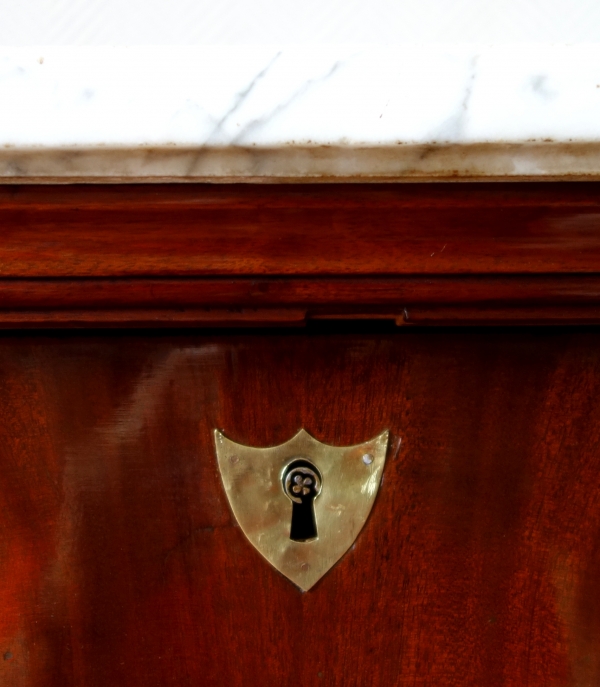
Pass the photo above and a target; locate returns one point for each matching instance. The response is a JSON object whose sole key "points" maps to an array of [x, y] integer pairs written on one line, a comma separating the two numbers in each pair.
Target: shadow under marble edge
{"points": [[317, 163]]}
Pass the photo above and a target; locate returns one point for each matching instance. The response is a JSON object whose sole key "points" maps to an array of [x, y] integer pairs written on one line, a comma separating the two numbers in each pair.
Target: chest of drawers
{"points": [[138, 319]]}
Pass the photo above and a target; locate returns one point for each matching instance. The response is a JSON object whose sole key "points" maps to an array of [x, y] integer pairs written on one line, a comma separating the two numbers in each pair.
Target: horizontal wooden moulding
{"points": [[235, 255], [318, 231], [280, 301]]}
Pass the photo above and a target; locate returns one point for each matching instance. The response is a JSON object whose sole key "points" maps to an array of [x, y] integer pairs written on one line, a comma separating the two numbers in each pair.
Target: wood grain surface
{"points": [[121, 565], [204, 230], [210, 255]]}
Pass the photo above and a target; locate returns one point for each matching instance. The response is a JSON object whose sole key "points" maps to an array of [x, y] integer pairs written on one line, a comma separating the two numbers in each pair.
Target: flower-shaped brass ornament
{"points": [[302, 485]]}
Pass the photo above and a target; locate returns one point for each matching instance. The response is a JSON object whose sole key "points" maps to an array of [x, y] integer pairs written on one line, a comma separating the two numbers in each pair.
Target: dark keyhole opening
{"points": [[302, 484]]}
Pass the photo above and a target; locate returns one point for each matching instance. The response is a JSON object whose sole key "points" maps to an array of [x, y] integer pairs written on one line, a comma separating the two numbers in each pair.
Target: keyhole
{"points": [[302, 484]]}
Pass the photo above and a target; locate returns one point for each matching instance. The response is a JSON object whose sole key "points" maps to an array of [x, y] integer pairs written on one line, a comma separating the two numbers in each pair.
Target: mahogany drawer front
{"points": [[122, 565]]}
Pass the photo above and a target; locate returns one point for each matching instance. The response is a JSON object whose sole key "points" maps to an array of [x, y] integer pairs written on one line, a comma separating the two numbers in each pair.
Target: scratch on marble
{"points": [[306, 86], [240, 98], [453, 128]]}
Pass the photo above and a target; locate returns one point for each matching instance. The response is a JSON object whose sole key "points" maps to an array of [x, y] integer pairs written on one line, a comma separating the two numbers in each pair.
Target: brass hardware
{"points": [[333, 489]]}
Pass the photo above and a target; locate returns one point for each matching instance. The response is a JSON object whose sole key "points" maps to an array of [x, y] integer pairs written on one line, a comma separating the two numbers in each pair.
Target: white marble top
{"points": [[299, 113]]}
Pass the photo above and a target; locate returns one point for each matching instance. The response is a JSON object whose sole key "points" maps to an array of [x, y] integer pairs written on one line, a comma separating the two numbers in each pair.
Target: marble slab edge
{"points": [[288, 164], [299, 113]]}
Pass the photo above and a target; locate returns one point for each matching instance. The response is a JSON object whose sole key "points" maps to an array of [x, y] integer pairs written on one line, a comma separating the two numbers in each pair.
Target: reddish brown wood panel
{"points": [[200, 255], [292, 301], [320, 295], [121, 564], [395, 229]]}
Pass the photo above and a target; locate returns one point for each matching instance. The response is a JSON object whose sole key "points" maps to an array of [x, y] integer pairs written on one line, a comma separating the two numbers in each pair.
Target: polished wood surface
{"points": [[121, 564], [400, 229], [209, 302], [210, 255]]}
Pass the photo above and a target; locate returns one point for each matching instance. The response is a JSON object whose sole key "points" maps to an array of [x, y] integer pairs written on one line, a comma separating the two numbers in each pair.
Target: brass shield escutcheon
{"points": [[254, 483]]}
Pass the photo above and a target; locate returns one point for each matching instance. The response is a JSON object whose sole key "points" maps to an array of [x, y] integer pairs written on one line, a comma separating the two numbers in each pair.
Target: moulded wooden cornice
{"points": [[200, 255]]}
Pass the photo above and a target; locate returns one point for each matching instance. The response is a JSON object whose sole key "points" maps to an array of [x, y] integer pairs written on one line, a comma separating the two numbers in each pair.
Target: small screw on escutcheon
{"points": [[367, 459]]}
